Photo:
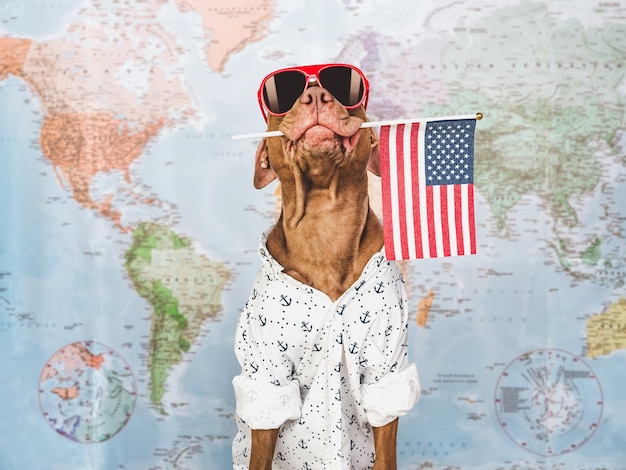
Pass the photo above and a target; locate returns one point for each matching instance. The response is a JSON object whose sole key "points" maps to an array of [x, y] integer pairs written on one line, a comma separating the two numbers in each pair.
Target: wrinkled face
{"points": [[321, 139]]}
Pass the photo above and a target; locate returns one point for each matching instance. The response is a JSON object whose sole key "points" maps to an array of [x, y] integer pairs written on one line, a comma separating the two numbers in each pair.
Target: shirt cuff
{"points": [[264, 405], [392, 396]]}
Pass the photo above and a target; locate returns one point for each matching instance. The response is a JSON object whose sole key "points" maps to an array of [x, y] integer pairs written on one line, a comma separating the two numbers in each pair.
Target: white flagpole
{"points": [[477, 116], [256, 135]]}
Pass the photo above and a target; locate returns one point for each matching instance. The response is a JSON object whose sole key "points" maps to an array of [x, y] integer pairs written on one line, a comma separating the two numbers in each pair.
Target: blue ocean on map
{"points": [[520, 347]]}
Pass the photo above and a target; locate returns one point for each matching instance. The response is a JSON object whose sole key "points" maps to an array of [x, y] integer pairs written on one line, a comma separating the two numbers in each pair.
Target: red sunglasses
{"points": [[281, 89]]}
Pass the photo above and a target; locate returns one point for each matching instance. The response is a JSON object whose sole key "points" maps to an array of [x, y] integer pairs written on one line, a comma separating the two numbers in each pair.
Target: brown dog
{"points": [[323, 240]]}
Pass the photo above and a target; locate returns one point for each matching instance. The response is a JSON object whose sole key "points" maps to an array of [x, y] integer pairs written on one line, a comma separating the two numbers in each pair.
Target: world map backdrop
{"points": [[129, 225]]}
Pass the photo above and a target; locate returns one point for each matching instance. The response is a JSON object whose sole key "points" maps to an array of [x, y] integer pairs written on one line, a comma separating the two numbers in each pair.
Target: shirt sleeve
{"points": [[266, 393], [389, 384]]}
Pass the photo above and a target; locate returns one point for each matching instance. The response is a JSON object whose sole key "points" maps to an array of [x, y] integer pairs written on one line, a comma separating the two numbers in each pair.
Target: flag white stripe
{"points": [[465, 218], [408, 182], [437, 221], [422, 191], [395, 208], [451, 220]]}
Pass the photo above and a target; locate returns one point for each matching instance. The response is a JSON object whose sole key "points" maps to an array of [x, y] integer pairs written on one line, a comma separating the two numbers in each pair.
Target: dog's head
{"points": [[322, 139]]}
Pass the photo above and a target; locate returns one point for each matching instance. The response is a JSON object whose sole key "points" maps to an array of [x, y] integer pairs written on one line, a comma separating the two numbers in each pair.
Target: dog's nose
{"points": [[316, 96]]}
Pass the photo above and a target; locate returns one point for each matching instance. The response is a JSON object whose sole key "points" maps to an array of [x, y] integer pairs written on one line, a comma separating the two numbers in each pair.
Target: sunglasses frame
{"points": [[311, 71]]}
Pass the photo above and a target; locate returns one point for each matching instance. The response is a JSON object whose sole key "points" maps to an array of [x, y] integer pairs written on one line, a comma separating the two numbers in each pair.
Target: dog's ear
{"points": [[263, 174], [373, 164]]}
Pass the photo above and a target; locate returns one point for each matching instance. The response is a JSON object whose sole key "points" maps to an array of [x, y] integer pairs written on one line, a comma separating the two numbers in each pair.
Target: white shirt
{"points": [[323, 372]]}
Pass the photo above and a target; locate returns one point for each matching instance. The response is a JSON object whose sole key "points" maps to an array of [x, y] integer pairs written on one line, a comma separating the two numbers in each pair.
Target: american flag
{"points": [[427, 177]]}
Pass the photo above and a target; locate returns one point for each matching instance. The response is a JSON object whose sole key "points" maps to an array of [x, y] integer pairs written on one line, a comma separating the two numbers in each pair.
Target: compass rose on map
{"points": [[548, 401]]}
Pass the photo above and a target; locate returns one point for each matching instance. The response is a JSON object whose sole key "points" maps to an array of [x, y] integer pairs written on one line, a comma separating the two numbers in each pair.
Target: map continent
{"points": [[230, 25], [184, 289], [606, 332], [82, 136]]}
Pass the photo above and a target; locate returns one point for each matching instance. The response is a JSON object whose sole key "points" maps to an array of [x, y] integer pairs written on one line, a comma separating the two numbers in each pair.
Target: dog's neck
{"points": [[326, 232]]}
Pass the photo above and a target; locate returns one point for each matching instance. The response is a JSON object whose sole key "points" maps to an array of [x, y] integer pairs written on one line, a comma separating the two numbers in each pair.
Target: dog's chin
{"points": [[321, 139]]}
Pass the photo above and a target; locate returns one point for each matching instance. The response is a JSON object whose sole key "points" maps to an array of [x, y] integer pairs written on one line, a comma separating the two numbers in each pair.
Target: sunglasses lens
{"points": [[344, 83], [281, 90]]}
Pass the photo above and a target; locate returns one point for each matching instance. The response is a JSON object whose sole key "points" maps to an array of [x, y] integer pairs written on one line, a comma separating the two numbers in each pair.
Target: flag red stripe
{"points": [[401, 191], [458, 219], [430, 211], [415, 169], [472, 222], [386, 192], [445, 226]]}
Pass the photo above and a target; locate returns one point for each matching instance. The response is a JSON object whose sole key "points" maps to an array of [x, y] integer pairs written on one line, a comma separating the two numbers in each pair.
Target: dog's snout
{"points": [[317, 106], [316, 96]]}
